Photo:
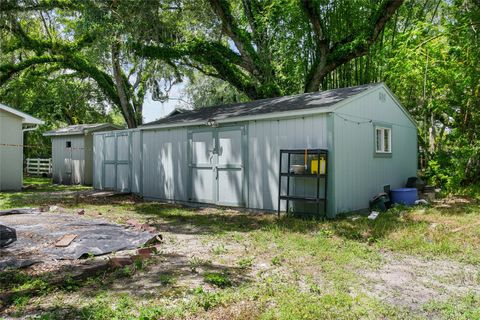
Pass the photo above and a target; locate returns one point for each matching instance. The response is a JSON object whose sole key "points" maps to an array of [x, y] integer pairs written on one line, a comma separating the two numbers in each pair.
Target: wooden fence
{"points": [[39, 166]]}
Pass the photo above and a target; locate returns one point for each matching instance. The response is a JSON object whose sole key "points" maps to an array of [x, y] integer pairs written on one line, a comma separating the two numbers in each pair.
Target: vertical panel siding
{"points": [[165, 167], [11, 157], [68, 165], [358, 174], [136, 161], [266, 138], [128, 149], [88, 173], [98, 161]]}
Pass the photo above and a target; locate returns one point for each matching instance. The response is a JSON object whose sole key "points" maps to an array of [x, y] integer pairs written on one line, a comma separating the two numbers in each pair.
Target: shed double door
{"points": [[117, 162], [216, 164]]}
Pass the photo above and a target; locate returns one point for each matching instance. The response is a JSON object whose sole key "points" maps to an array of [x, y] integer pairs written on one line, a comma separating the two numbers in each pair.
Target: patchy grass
{"points": [[446, 230], [35, 186], [465, 307], [219, 263]]}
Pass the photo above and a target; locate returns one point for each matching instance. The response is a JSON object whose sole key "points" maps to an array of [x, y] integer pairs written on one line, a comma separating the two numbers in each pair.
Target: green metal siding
{"points": [[358, 175]]}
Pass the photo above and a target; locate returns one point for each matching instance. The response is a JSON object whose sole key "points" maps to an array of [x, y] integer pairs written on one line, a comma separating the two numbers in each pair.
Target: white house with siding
{"points": [[229, 154], [72, 152], [13, 124]]}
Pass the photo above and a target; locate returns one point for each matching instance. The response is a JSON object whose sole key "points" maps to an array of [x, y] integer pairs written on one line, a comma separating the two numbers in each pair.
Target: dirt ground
{"points": [[411, 281], [263, 256]]}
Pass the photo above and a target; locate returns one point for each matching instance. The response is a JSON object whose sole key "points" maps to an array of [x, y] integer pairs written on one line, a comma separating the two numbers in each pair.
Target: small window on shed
{"points": [[383, 140], [69, 144]]}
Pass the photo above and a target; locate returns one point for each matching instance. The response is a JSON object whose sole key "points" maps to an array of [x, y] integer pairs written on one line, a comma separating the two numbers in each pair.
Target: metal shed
{"points": [[72, 152], [13, 124], [229, 154]]}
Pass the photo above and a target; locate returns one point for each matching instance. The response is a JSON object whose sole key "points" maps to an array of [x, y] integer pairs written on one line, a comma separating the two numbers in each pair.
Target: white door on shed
{"points": [[217, 165], [230, 171], [201, 166], [109, 162], [123, 163], [117, 162]]}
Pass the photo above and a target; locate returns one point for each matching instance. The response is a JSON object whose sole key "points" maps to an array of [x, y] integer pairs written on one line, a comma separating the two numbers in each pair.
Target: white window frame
{"points": [[382, 138]]}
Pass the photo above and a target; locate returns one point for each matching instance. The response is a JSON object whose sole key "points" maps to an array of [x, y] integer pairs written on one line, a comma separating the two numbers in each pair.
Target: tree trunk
{"points": [[125, 105]]}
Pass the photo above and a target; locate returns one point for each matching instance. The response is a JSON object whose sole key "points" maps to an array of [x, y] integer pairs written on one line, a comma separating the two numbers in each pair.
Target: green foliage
{"points": [[246, 262], [167, 279], [205, 91], [220, 280], [80, 41], [219, 250], [207, 300], [138, 264], [196, 262], [65, 101], [277, 261]]}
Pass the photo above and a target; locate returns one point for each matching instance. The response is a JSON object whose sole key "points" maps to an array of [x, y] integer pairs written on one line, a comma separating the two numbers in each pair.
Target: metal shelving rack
{"points": [[319, 199]]}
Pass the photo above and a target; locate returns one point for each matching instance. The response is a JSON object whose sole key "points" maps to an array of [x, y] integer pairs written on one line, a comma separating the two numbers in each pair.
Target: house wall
{"points": [[68, 164], [11, 157], [359, 175]]}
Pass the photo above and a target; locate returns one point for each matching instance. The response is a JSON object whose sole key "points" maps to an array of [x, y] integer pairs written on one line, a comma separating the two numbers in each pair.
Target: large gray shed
{"points": [[72, 152], [229, 155]]}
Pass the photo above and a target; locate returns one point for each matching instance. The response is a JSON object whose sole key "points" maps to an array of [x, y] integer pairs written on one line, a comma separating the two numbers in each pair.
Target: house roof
{"points": [[81, 129], [26, 118], [321, 99], [176, 111]]}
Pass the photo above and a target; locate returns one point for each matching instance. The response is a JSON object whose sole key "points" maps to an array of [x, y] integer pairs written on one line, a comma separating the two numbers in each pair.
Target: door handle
{"points": [[215, 170]]}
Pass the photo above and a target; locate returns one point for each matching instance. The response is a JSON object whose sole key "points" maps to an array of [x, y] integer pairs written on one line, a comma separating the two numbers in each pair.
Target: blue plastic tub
{"points": [[406, 196]]}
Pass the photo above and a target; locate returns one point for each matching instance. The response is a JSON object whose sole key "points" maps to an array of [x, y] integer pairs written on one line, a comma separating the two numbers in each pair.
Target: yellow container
{"points": [[314, 166]]}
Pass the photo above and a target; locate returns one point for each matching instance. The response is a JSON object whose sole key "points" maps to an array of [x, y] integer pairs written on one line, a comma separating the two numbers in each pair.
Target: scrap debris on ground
{"points": [[46, 237]]}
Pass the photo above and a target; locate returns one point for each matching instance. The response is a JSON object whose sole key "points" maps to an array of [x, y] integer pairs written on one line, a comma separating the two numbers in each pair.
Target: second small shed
{"points": [[72, 152]]}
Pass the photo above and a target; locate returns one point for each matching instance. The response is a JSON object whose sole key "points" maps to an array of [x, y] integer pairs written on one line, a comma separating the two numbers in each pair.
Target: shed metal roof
{"points": [[26, 118], [81, 129], [303, 101]]}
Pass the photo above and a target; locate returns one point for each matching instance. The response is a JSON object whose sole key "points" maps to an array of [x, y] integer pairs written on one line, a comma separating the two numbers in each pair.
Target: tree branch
{"points": [[311, 9], [214, 54], [13, 5], [8, 70], [241, 38], [121, 87], [40, 45], [352, 46]]}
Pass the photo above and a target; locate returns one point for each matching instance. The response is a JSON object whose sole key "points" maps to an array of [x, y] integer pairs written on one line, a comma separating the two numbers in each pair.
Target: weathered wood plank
{"points": [[65, 240]]}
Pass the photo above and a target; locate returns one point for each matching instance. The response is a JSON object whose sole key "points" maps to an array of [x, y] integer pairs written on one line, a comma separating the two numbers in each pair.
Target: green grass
{"points": [[465, 307], [39, 184], [34, 186], [218, 279], [283, 268]]}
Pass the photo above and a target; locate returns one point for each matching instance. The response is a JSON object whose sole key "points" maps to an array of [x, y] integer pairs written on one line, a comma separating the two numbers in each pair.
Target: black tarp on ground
{"points": [[37, 233]]}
